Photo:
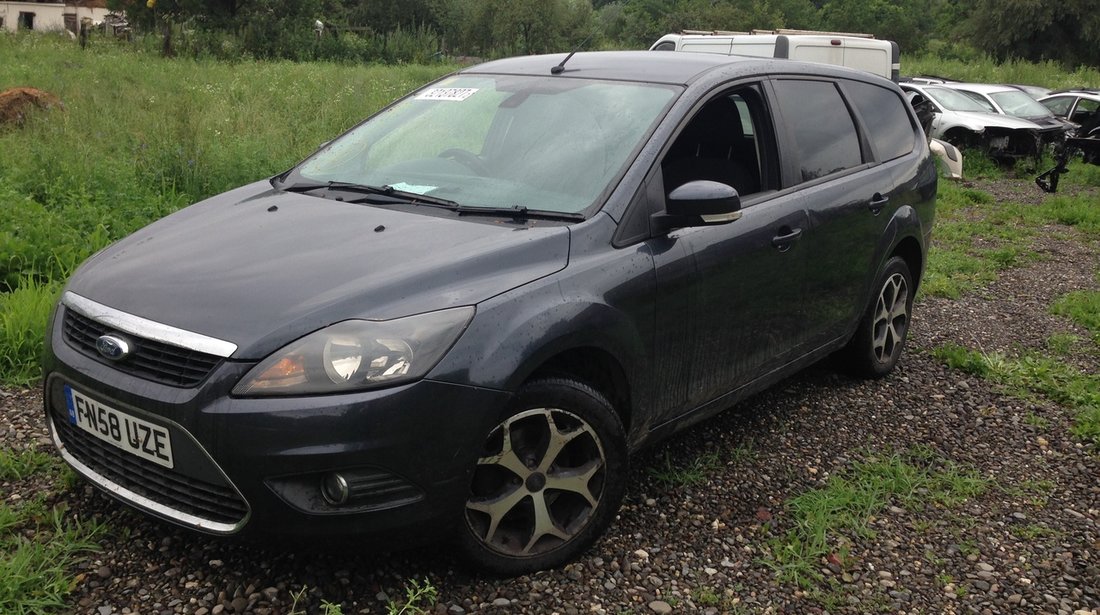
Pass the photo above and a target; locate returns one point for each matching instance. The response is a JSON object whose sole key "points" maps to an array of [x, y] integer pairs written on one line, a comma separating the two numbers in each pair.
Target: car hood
{"points": [[1049, 122], [989, 120], [261, 268]]}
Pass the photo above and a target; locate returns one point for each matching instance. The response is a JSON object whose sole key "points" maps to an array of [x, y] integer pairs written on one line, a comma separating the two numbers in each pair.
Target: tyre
{"points": [[548, 482], [875, 348]]}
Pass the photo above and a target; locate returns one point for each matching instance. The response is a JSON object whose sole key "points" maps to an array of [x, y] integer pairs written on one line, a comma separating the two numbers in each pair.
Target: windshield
{"points": [[1019, 104], [954, 101], [500, 141]]}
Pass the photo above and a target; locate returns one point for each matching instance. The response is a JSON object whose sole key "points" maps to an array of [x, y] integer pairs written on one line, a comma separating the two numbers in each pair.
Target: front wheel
{"points": [[548, 482], [875, 348]]}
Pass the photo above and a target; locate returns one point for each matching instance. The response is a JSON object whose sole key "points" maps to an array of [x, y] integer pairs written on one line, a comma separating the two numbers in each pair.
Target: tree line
{"points": [[1067, 31]]}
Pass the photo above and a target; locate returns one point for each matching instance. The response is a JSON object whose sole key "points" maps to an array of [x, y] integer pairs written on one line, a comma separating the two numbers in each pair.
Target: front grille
{"points": [[151, 360], [169, 488]]}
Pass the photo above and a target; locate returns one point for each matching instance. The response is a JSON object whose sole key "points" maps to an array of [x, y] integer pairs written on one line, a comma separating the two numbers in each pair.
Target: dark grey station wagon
{"points": [[459, 318]]}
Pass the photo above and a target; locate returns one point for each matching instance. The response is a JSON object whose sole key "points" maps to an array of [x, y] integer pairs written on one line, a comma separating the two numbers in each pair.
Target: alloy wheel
{"points": [[537, 484], [891, 317]]}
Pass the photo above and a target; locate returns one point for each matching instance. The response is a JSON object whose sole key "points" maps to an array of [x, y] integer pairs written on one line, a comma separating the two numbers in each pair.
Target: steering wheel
{"points": [[466, 158]]}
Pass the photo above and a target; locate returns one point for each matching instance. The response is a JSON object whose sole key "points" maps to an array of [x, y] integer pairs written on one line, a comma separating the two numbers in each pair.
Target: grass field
{"points": [[140, 137]]}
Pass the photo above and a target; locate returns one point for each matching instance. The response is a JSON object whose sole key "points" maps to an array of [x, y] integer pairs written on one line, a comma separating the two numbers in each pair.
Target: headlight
{"points": [[358, 354]]}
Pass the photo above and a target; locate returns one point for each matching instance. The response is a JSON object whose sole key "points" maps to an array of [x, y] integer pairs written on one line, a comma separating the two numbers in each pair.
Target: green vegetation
{"points": [[705, 596], [420, 597], [1039, 375], [976, 237], [694, 472], [16, 466], [38, 542], [1033, 531], [1062, 343], [1083, 307], [23, 315], [828, 520], [956, 262]]}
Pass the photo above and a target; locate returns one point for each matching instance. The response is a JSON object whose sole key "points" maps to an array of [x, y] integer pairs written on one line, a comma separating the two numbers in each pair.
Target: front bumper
{"points": [[255, 465]]}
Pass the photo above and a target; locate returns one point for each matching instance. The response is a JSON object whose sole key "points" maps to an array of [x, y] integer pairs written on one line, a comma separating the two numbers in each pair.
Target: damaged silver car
{"points": [[964, 123]]}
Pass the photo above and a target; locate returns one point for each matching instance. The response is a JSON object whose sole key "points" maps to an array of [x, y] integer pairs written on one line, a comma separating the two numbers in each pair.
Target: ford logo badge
{"points": [[113, 347]]}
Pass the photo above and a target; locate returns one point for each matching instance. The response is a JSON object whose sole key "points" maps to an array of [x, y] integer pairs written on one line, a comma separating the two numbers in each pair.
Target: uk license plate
{"points": [[127, 432]]}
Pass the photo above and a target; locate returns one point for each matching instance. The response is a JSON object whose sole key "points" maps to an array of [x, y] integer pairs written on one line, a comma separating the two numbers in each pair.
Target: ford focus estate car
{"points": [[458, 319]]}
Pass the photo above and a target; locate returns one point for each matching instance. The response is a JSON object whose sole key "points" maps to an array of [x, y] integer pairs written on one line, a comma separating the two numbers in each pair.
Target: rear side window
{"points": [[821, 125], [884, 117]]}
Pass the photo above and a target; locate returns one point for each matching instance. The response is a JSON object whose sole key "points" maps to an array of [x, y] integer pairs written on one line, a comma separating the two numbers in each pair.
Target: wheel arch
{"points": [[545, 335], [909, 249], [595, 367]]}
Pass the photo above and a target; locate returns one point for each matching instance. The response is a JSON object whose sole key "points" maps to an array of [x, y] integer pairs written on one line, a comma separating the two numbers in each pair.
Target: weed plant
{"points": [[828, 520], [1034, 374], [1083, 307], [23, 315], [39, 542]]}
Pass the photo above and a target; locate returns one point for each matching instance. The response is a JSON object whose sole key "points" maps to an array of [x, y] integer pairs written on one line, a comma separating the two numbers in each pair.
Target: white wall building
{"points": [[55, 16]]}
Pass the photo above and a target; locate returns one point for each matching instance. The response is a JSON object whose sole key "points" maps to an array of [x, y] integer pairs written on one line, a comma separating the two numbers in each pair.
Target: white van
{"points": [[859, 51]]}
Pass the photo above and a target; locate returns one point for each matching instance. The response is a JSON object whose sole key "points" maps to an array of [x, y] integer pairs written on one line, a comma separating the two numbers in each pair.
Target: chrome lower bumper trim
{"points": [[136, 499]]}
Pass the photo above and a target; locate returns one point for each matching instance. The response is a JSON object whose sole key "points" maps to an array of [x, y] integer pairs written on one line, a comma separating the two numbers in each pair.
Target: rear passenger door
{"points": [[849, 177]]}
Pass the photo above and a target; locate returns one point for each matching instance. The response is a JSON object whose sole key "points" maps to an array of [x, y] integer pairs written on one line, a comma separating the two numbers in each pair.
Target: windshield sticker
{"points": [[458, 94], [403, 187]]}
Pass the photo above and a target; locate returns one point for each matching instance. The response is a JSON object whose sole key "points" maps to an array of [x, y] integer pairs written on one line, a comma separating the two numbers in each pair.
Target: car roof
{"points": [[1077, 91], [669, 67], [982, 88], [1082, 93]]}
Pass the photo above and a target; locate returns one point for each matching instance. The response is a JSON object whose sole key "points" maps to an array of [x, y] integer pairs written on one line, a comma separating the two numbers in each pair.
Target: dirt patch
{"points": [[15, 102]]}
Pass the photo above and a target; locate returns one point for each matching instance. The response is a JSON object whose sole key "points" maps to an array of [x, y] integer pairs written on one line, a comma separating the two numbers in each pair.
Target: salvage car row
{"points": [[1004, 120]]}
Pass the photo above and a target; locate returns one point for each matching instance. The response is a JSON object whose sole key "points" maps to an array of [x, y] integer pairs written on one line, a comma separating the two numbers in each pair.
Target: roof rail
{"points": [[786, 31], [814, 32], [704, 32]]}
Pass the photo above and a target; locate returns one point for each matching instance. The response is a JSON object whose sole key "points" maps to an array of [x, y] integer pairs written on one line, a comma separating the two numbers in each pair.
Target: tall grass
{"points": [[981, 69], [23, 315]]}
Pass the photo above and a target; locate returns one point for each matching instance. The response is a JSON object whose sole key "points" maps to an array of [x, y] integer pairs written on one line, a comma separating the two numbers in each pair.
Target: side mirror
{"points": [[699, 203]]}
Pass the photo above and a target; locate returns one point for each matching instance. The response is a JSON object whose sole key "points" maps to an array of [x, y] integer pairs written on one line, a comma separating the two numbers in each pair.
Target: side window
{"points": [[724, 142], [821, 126], [1059, 106], [1085, 111], [884, 117], [665, 46]]}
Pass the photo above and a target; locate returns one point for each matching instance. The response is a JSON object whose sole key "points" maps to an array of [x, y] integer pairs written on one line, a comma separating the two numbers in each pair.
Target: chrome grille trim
{"points": [[149, 359], [136, 499], [146, 328]]}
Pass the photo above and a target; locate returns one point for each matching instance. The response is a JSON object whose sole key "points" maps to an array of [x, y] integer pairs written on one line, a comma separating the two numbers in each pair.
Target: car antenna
{"points": [[560, 68]]}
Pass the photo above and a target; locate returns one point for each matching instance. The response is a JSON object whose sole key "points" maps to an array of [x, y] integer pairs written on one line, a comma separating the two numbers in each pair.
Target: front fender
{"points": [[512, 336]]}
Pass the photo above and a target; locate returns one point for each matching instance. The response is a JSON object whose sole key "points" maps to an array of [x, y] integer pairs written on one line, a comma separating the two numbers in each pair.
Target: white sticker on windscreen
{"points": [[446, 94]]}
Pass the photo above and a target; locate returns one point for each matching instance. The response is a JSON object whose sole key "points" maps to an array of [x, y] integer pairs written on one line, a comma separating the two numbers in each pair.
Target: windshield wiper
{"points": [[519, 211], [405, 197], [401, 196]]}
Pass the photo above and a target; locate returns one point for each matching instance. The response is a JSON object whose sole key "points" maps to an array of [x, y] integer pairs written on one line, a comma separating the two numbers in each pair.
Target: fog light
{"points": [[334, 488]]}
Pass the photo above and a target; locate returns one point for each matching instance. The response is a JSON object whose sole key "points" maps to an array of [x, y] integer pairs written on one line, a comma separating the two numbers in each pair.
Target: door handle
{"points": [[784, 241], [877, 203]]}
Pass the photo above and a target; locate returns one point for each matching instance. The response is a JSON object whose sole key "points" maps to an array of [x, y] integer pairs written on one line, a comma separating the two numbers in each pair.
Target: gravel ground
{"points": [[1029, 544]]}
